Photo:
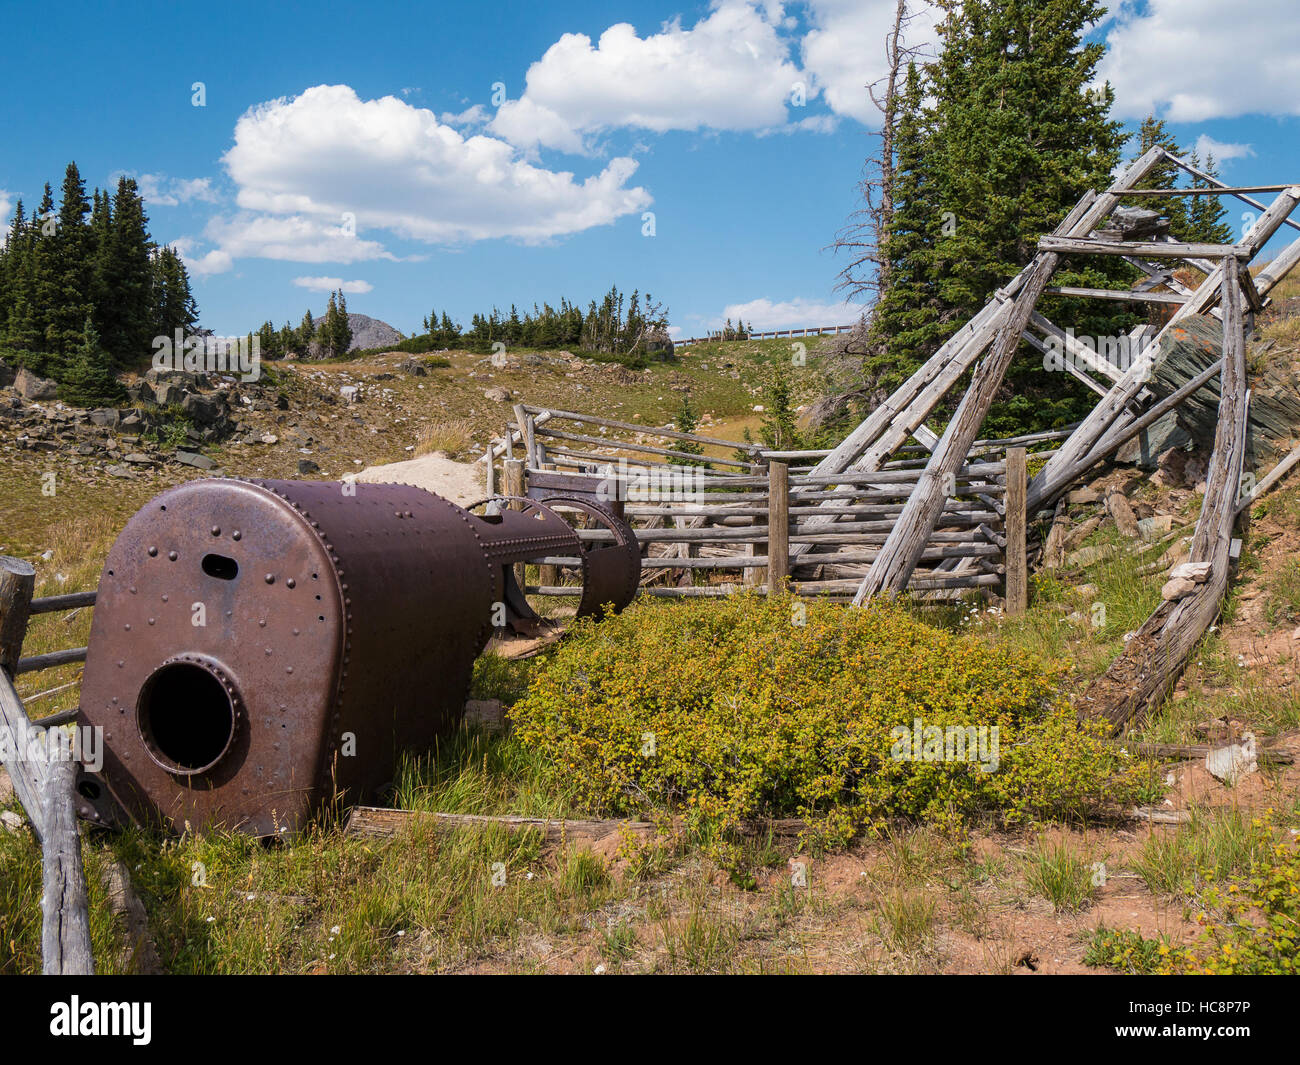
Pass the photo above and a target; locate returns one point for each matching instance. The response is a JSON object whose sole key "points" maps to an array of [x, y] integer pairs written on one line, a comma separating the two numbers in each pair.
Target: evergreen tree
{"points": [[778, 426], [73, 267], [89, 379]]}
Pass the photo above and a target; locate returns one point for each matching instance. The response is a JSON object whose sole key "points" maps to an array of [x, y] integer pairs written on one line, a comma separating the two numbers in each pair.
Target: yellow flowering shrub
{"points": [[756, 707]]}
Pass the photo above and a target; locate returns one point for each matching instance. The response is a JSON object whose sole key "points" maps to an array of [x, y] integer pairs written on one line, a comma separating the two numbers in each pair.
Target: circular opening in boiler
{"points": [[186, 718]]}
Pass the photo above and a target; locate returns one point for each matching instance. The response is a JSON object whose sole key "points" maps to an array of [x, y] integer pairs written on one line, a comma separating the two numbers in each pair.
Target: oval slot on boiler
{"points": [[222, 567]]}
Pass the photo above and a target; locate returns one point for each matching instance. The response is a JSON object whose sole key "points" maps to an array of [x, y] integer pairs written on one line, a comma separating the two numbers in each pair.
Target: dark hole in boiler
{"points": [[88, 789], [221, 567], [186, 718]]}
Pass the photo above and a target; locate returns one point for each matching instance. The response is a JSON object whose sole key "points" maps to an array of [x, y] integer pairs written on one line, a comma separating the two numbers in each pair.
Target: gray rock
{"points": [[306, 466], [137, 458], [193, 458], [1145, 449], [414, 367], [497, 395], [205, 410], [105, 417], [29, 386]]}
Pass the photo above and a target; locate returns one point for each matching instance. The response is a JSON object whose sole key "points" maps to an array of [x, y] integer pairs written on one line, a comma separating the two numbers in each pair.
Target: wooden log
{"points": [[1017, 589], [1154, 658], [670, 434], [65, 907], [1193, 752], [1119, 509], [52, 604], [1172, 249], [647, 449], [50, 660], [525, 421], [17, 582], [1054, 546], [778, 525], [1123, 294]]}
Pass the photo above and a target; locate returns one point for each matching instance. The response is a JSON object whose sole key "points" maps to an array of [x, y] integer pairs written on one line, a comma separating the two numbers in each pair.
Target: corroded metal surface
{"points": [[261, 649]]}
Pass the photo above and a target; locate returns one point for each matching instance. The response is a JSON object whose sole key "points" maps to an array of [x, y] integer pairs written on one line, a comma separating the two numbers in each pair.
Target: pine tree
{"points": [[341, 334], [778, 425], [1206, 214], [89, 379], [907, 324], [73, 267], [126, 275]]}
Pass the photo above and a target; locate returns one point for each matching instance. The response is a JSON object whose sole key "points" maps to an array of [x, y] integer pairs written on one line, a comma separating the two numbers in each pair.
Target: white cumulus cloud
{"points": [[1193, 60], [764, 314], [845, 50], [730, 71], [315, 170], [334, 284], [1207, 146], [159, 190]]}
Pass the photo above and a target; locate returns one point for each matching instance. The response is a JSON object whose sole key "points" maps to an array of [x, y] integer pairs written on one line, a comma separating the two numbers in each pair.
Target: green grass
{"points": [[1060, 874], [1223, 843]]}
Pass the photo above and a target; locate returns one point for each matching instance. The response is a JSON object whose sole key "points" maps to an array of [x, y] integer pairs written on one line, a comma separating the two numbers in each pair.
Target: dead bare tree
{"points": [[867, 231]]}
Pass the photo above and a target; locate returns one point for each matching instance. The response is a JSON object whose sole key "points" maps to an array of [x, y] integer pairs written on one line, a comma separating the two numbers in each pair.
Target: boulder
{"points": [[1176, 588], [306, 466], [30, 386], [205, 410], [105, 417], [497, 394], [414, 367]]}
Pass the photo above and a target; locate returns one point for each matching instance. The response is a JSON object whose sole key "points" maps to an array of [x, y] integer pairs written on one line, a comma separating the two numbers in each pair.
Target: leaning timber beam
{"points": [[1154, 658]]}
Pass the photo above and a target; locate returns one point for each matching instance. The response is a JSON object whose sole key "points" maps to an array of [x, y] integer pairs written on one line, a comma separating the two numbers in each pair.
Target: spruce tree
{"points": [[89, 380]]}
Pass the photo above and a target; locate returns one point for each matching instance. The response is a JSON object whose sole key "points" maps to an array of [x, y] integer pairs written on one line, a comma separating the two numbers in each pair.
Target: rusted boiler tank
{"points": [[262, 648]]}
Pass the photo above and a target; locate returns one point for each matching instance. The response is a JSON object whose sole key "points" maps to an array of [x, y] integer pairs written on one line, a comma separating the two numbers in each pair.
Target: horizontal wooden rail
{"points": [[51, 603], [49, 661]]}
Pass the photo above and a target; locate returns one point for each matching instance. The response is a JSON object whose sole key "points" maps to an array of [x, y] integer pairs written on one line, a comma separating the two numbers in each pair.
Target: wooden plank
{"points": [[1017, 590]]}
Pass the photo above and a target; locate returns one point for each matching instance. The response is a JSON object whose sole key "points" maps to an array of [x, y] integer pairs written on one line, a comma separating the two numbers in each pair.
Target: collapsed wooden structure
{"points": [[877, 516]]}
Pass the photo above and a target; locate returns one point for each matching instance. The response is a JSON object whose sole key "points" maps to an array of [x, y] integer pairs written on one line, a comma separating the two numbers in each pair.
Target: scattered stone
{"points": [[119, 471], [269, 438], [1197, 572], [414, 367], [497, 395], [1083, 495], [105, 417], [1154, 527], [1233, 761], [349, 393], [1177, 588], [306, 466]]}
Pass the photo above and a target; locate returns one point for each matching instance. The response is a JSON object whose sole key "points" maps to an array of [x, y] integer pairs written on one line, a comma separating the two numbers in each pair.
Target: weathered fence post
{"points": [[17, 583], [778, 525], [1017, 587], [65, 909], [516, 486]]}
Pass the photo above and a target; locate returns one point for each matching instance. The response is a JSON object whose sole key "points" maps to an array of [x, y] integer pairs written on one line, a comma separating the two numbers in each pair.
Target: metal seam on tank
{"points": [[314, 528]]}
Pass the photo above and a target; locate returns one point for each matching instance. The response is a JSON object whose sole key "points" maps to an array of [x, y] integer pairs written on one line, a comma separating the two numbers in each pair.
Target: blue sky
{"points": [[462, 155]]}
